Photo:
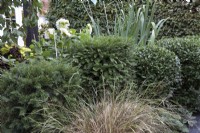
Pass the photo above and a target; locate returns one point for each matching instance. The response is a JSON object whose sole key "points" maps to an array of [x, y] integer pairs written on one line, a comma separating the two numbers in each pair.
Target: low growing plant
{"points": [[12, 54], [30, 86], [15, 52], [124, 112]]}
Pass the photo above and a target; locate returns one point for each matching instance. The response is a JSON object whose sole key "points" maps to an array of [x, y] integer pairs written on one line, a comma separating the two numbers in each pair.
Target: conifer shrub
{"points": [[29, 87], [104, 61], [157, 70], [188, 51]]}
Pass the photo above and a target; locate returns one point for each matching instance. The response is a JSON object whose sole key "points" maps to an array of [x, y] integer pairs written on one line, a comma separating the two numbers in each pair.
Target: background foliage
{"points": [[181, 22], [78, 16], [11, 30]]}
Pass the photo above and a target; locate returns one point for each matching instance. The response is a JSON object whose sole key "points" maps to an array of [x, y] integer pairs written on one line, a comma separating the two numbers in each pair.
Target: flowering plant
{"points": [[62, 23], [54, 42], [49, 33]]}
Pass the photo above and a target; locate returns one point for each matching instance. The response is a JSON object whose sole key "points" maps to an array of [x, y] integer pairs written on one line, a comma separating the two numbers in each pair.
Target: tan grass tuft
{"points": [[117, 117]]}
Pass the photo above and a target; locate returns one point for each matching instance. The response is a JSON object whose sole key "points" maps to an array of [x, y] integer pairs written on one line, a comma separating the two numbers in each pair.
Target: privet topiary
{"points": [[158, 66], [27, 88], [188, 51], [105, 62]]}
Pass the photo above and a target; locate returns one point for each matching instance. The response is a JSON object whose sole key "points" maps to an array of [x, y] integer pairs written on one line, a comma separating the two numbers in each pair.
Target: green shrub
{"points": [[28, 87], [158, 66], [181, 21], [104, 61], [188, 51]]}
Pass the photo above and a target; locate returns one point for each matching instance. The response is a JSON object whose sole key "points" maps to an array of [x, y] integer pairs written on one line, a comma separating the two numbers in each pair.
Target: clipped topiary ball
{"points": [[105, 62], [188, 51], [157, 70]]}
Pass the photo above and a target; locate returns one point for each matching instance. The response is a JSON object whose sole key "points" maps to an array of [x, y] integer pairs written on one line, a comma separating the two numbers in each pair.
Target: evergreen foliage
{"points": [[182, 21], [159, 67], [188, 51], [104, 61], [28, 87]]}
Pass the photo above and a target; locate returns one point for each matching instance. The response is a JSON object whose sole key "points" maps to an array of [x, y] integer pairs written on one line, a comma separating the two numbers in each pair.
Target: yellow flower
{"points": [[5, 49], [24, 50]]}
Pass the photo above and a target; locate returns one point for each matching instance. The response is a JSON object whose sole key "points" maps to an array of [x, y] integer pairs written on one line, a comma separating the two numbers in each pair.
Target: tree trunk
{"points": [[32, 32]]}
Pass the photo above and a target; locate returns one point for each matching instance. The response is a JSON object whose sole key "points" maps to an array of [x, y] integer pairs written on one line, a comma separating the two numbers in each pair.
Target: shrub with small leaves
{"points": [[188, 51], [159, 67], [104, 62], [28, 87]]}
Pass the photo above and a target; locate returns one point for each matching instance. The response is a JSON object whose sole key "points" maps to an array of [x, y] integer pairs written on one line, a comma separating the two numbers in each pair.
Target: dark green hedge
{"points": [[159, 67], [181, 21], [74, 11], [77, 15], [188, 51], [27, 89], [105, 62]]}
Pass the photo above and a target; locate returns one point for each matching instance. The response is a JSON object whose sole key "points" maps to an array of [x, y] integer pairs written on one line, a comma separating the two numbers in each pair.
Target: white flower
{"points": [[89, 28], [62, 23], [65, 32], [49, 33]]}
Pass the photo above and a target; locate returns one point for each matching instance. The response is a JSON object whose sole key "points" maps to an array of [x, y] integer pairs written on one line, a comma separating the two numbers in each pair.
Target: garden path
{"points": [[196, 127]]}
